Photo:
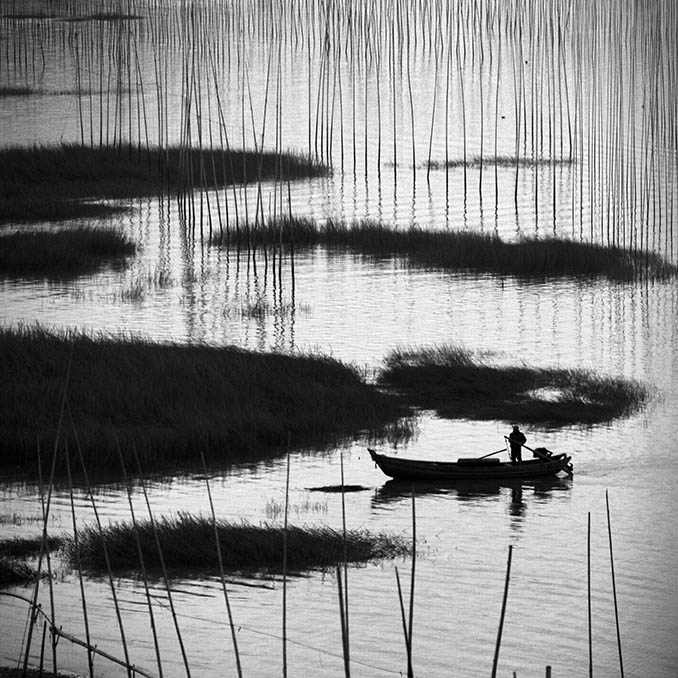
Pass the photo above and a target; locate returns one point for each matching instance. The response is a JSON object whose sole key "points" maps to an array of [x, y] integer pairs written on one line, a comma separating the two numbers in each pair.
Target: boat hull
{"points": [[478, 469]]}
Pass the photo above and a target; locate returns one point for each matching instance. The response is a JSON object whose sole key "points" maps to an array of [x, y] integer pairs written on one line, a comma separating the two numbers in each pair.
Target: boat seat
{"points": [[474, 461]]}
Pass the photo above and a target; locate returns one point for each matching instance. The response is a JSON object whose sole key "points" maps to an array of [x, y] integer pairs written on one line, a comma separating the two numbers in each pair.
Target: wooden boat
{"points": [[474, 468]]}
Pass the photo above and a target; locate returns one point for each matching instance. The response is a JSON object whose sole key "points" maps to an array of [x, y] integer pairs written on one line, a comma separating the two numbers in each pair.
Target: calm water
{"points": [[620, 188]]}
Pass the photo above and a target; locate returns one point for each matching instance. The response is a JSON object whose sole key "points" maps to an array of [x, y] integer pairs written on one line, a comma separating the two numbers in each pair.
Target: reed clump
{"points": [[188, 543], [457, 384], [17, 91], [113, 17], [469, 251], [27, 547], [20, 672], [13, 554], [15, 572], [489, 162], [168, 402], [64, 253], [60, 181]]}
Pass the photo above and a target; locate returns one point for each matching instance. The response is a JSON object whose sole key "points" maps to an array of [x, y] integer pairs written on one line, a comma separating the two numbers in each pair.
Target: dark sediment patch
{"points": [[338, 488]]}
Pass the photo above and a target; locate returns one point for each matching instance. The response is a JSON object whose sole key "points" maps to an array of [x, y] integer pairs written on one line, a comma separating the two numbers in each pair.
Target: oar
{"points": [[503, 449]]}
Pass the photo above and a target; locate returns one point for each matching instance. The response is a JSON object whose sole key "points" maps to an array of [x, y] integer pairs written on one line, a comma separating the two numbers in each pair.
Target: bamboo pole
{"points": [[168, 590], [109, 569], [140, 553], [503, 612], [284, 600], [221, 569], [345, 619], [588, 591], [76, 541], [614, 586]]}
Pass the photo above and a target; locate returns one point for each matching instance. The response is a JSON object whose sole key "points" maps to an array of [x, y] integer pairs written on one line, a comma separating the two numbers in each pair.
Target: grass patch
{"points": [[17, 91], [27, 548], [70, 252], [170, 402], [25, 91], [18, 672], [464, 251], [489, 162], [14, 572], [452, 382], [188, 543], [53, 182], [13, 569], [112, 17]]}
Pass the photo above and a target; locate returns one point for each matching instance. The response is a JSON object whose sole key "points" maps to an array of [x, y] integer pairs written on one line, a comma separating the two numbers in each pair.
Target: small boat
{"points": [[543, 465]]}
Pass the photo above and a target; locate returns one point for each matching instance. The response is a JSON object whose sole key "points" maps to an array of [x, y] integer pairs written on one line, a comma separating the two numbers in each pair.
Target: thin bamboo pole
{"points": [[614, 586], [503, 612], [141, 557], [97, 518], [76, 541], [168, 590], [588, 592], [345, 619], [284, 599], [221, 569]]}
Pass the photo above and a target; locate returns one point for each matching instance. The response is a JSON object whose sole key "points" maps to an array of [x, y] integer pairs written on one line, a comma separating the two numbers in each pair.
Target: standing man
{"points": [[517, 439]]}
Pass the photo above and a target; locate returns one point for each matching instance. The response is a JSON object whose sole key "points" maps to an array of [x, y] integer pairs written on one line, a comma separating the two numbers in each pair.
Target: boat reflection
{"points": [[471, 490]]}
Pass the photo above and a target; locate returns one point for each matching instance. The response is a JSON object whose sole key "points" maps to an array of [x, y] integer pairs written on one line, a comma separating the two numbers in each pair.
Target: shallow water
{"points": [[356, 308]]}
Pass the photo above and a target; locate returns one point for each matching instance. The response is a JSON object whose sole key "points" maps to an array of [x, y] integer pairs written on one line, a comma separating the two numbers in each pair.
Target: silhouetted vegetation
{"points": [[170, 402], [456, 384], [27, 547], [500, 161], [465, 251], [14, 572], [18, 91], [18, 672], [70, 252], [52, 182], [188, 543]]}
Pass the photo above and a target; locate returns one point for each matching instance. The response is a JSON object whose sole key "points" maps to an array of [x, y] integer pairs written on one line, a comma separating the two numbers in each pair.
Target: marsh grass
{"points": [[27, 547], [25, 91], [14, 552], [17, 91], [113, 17], [486, 162], [53, 182], [262, 308], [15, 572], [20, 672], [468, 251], [457, 384], [274, 509], [188, 543], [64, 253], [172, 402]]}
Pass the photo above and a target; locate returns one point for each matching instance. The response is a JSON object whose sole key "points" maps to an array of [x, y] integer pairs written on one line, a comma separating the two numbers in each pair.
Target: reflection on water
{"points": [[518, 493]]}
